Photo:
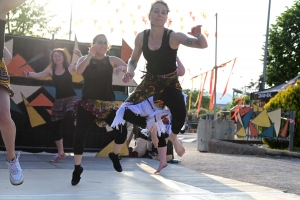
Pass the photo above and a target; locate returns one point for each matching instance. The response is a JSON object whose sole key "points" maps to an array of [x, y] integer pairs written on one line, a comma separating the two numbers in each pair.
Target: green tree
{"points": [[195, 93], [30, 19], [284, 46], [289, 100]]}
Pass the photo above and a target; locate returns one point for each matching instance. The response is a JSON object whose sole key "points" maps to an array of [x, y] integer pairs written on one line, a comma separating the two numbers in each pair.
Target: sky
{"points": [[241, 27]]}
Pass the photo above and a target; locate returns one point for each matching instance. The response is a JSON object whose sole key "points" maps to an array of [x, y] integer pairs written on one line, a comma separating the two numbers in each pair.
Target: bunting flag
{"points": [[256, 108], [34, 118], [253, 130], [246, 119], [269, 132], [240, 119], [245, 110], [201, 95], [225, 90], [74, 56], [275, 117], [211, 81], [241, 132], [126, 51], [236, 110], [212, 100], [76, 78], [49, 111], [190, 97], [285, 128], [40, 100], [262, 119]]}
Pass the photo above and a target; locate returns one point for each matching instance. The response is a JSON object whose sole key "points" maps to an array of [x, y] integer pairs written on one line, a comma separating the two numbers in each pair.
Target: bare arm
{"points": [[84, 61], [136, 54], [118, 63], [39, 75], [71, 68], [180, 67], [7, 56], [7, 5]]}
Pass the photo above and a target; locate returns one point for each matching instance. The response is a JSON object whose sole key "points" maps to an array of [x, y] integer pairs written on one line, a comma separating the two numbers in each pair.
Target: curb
{"points": [[218, 146]]}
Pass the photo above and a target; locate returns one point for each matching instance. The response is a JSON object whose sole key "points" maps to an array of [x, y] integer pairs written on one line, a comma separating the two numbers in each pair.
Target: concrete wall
{"points": [[214, 129]]}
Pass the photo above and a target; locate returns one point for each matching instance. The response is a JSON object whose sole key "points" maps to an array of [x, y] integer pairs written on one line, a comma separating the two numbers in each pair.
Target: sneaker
{"points": [[116, 161], [58, 157], [16, 174], [76, 176]]}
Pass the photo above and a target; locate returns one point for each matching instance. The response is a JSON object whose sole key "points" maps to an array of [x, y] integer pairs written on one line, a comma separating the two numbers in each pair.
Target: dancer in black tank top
{"points": [[159, 47], [7, 126], [65, 96]]}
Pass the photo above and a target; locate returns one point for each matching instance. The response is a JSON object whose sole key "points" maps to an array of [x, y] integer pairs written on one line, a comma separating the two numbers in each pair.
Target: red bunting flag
{"points": [[228, 79], [201, 95], [211, 81]]}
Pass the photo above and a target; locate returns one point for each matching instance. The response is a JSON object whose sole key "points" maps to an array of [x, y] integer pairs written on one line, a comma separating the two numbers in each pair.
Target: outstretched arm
{"points": [[40, 75], [136, 54], [7, 5]]}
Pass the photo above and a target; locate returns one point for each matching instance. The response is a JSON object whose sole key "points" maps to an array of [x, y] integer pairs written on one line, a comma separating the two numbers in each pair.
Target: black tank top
{"points": [[98, 80], [2, 38], [63, 85], [162, 60]]}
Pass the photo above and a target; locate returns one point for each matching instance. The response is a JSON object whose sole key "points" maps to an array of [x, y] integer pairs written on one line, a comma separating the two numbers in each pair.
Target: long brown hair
{"points": [[62, 51]]}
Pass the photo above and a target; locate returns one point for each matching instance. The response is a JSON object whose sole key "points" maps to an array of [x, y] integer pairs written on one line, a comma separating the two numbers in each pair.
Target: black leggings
{"points": [[162, 140], [85, 119], [56, 125]]}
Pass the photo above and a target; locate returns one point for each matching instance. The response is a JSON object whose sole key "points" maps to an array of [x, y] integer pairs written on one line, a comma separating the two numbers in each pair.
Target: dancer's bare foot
{"points": [[161, 166], [179, 149], [154, 137]]}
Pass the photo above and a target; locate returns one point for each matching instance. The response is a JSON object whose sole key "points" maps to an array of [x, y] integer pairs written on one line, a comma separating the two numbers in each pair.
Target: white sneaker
{"points": [[16, 174]]}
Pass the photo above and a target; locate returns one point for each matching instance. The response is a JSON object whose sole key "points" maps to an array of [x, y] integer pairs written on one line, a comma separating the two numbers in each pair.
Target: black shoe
{"points": [[76, 176], [116, 161]]}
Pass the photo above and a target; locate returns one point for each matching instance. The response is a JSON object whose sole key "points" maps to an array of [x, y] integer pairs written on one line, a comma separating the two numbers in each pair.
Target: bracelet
{"points": [[80, 55], [199, 36], [89, 56]]}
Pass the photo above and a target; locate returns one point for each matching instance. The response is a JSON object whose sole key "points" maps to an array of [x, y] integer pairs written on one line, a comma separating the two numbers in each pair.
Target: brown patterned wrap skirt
{"points": [[61, 106], [4, 78]]}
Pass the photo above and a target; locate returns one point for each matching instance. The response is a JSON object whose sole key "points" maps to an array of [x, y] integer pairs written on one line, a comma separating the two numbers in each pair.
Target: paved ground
{"points": [[280, 173], [198, 176]]}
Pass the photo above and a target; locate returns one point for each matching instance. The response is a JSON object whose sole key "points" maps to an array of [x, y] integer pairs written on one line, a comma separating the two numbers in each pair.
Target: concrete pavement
{"points": [[46, 180]]}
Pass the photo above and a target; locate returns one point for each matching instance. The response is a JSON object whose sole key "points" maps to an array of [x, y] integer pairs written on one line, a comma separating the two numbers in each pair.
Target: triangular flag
{"points": [[49, 111], [74, 56], [253, 130], [240, 119], [241, 132], [41, 100], [256, 108], [126, 51], [246, 118], [76, 77], [275, 117], [262, 119], [284, 130], [244, 110], [34, 118], [110, 148], [269, 132], [9, 45]]}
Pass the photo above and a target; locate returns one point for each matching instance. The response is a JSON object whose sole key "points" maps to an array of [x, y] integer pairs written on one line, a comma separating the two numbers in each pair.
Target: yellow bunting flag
{"points": [[262, 119], [241, 132], [257, 108]]}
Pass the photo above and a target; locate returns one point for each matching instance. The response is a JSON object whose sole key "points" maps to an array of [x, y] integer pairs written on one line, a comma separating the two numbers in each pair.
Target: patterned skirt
{"points": [[101, 109], [4, 78], [61, 106]]}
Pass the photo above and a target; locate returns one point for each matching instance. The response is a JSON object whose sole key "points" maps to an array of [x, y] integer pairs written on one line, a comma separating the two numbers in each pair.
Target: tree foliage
{"points": [[30, 19], [288, 99], [284, 46], [195, 93]]}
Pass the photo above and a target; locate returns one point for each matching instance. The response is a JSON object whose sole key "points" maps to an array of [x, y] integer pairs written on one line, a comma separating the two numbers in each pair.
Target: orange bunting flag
{"points": [[108, 2], [139, 7], [211, 81], [117, 10], [121, 21], [191, 13], [193, 17], [135, 32], [225, 90], [201, 95], [253, 130], [95, 21], [285, 128], [212, 101], [126, 51], [111, 30]]}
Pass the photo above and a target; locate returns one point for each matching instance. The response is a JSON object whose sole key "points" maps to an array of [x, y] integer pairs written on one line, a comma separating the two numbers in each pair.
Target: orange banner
{"points": [[201, 94], [228, 79], [211, 81]]}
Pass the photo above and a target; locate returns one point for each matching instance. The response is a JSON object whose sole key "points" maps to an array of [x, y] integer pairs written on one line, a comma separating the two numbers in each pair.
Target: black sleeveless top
{"points": [[63, 85], [2, 34], [98, 80], [162, 60]]}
